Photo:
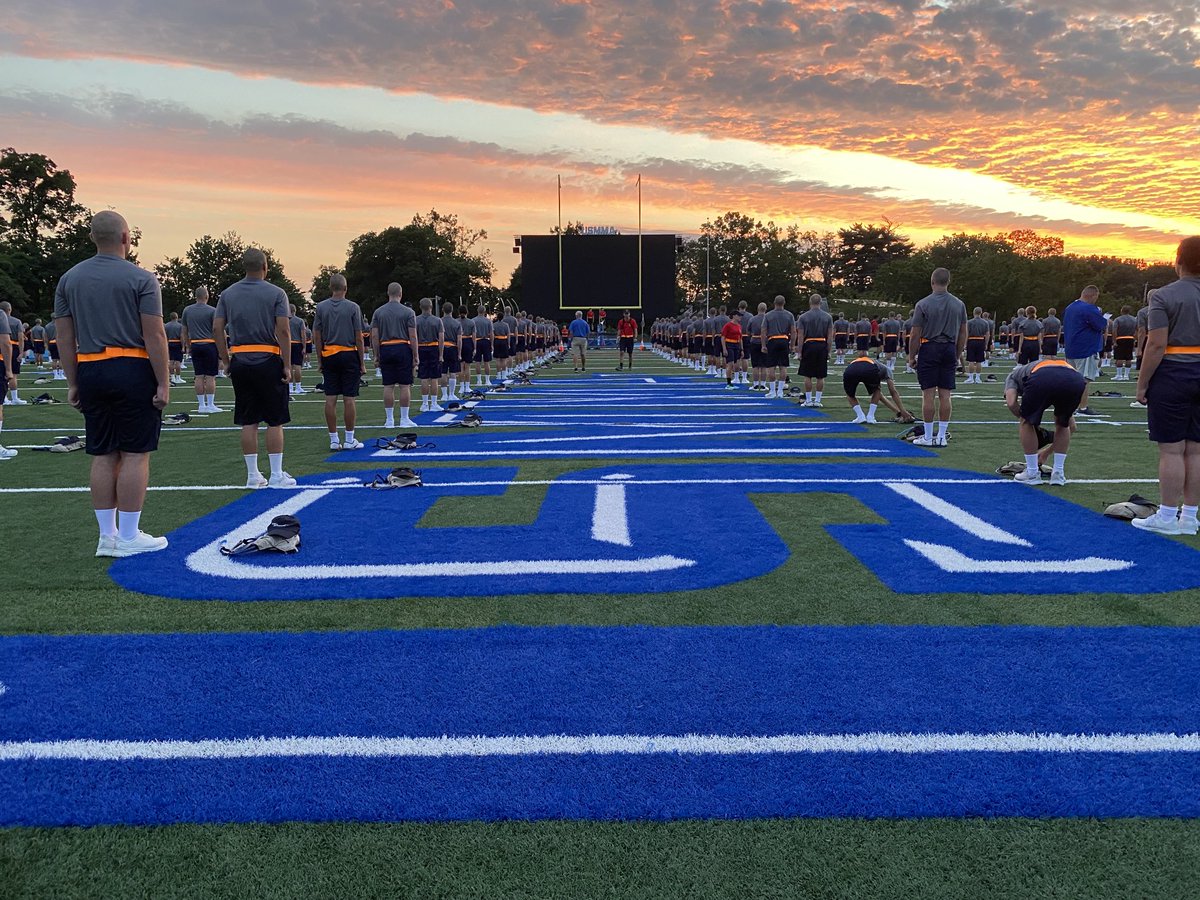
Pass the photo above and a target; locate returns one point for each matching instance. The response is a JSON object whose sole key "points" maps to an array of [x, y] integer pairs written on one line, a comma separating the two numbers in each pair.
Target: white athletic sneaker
{"points": [[215, 409], [433, 407], [871, 420], [1153, 523], [19, 402], [406, 422], [1189, 526], [107, 545], [355, 444], [282, 480], [859, 420], [255, 481], [6, 453], [1136, 405], [143, 543], [1029, 477], [924, 441], [817, 404], [1058, 478]]}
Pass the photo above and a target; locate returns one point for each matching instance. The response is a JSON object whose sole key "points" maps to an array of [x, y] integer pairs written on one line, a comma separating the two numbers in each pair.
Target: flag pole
{"points": [[639, 187], [560, 267]]}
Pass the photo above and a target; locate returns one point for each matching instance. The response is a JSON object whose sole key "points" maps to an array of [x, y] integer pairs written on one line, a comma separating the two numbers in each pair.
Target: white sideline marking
{"points": [[982, 481], [449, 417], [209, 561], [610, 518], [714, 451], [957, 516], [950, 560], [597, 745], [3, 689], [667, 434]]}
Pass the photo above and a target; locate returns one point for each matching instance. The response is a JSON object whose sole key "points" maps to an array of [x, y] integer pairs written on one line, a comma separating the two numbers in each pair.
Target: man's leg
{"points": [[927, 412], [405, 403], [249, 438], [945, 409], [103, 484], [1172, 472], [331, 421], [389, 405], [350, 412], [1191, 478], [133, 477]]}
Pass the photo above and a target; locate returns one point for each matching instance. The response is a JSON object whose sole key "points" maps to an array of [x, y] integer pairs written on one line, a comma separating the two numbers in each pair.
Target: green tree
{"points": [[215, 263], [743, 259], [822, 256], [319, 289], [433, 256], [515, 285], [865, 250]]}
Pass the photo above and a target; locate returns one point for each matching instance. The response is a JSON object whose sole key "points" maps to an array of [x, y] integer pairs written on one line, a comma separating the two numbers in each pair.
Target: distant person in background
{"points": [[1030, 390], [978, 330], [579, 332], [778, 336], [295, 364], [12, 327], [451, 352], [814, 332], [394, 341], [483, 346], [108, 314], [1051, 333], [199, 343], [1084, 327], [1029, 338], [731, 345], [467, 356], [174, 330], [1169, 383], [939, 339], [37, 341], [1124, 331], [52, 349], [626, 335], [337, 335], [429, 354], [757, 361], [257, 359], [8, 379], [862, 333]]}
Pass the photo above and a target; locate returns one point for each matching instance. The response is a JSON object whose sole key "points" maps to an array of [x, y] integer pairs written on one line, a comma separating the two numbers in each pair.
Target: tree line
{"points": [[864, 267]]}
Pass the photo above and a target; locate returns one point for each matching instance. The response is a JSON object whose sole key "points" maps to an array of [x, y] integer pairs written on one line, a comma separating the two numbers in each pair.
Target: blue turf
{"points": [[518, 681], [1057, 529]]}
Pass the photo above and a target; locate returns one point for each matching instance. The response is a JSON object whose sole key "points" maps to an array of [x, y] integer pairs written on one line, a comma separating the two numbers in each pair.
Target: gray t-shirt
{"points": [[174, 330], [978, 328], [1018, 379], [37, 333], [1031, 328], [106, 296], [940, 316], [890, 327], [754, 326], [393, 321], [815, 323], [511, 322], [250, 308], [500, 331], [468, 327], [841, 326], [51, 333], [197, 319], [860, 364], [296, 329], [1051, 327], [16, 330], [1124, 326], [1176, 307], [429, 329], [483, 328], [777, 323], [862, 328], [340, 322], [452, 330]]}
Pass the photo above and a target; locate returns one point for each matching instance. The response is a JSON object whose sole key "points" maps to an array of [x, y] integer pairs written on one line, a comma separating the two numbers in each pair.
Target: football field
{"points": [[637, 635]]}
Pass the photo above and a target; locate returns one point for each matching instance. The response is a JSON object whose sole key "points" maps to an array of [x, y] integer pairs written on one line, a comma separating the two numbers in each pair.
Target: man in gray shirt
{"points": [[1030, 390], [296, 363], [37, 340], [814, 333], [108, 317], [394, 341], [757, 362], [430, 336], [1051, 333], [778, 334], [467, 356], [1169, 381], [16, 336], [483, 346], [452, 352], [889, 329], [1029, 338], [978, 331], [257, 316], [199, 343], [1124, 331], [174, 330], [338, 334], [939, 339], [862, 333], [7, 377]]}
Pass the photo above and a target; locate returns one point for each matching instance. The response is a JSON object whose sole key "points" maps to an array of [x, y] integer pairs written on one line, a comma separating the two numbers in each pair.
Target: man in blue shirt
{"points": [[579, 330], [1083, 328]]}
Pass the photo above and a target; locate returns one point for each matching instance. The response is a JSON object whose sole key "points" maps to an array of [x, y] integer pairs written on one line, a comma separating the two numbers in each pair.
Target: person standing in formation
{"points": [[8, 380], [814, 332], [1124, 331], [939, 339], [174, 330], [16, 336], [1051, 332], [430, 335], [199, 343], [626, 335], [113, 345], [757, 363], [978, 331], [778, 335], [483, 346], [295, 363], [337, 336], [394, 345], [467, 356], [451, 353], [256, 315]]}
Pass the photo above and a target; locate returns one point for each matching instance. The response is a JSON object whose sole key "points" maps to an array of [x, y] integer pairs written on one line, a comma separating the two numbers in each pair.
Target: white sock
{"points": [[333, 439], [1060, 460], [15, 394], [808, 396], [929, 426], [1, 425], [127, 524], [453, 386], [779, 388], [942, 427], [858, 413], [276, 463], [1031, 463], [389, 414], [1187, 512], [349, 436], [1167, 513], [251, 463], [817, 395], [871, 410], [107, 520], [201, 402], [211, 400]]}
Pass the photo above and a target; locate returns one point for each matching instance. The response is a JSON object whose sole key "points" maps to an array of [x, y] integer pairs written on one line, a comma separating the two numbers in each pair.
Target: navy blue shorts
{"points": [[891, 344], [733, 352], [175, 351], [117, 399], [260, 395], [450, 361], [777, 353], [1173, 398], [204, 359], [625, 345], [54, 349], [483, 350], [1049, 346], [936, 363], [340, 373], [429, 362], [814, 359], [1123, 349], [499, 349], [840, 342], [1031, 349], [468, 351], [861, 373], [520, 348], [975, 349], [862, 342], [297, 353], [396, 363], [1054, 385], [756, 356]]}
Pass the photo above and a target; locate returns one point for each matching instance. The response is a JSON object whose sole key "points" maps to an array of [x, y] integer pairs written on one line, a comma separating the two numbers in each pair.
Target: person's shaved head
{"points": [[762, 307], [779, 301], [1091, 292], [337, 283], [940, 278], [292, 308], [254, 261], [200, 293], [7, 307], [109, 230], [426, 304], [814, 301], [977, 311], [395, 292]]}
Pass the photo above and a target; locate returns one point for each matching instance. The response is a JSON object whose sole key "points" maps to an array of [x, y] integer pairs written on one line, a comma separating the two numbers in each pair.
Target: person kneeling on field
{"points": [[1030, 390], [872, 374]]}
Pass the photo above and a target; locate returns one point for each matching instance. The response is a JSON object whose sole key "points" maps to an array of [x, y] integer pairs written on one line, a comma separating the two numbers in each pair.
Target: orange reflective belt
{"points": [[1051, 362], [1180, 350], [53, 341], [330, 349], [394, 341], [1126, 337], [778, 337], [204, 340], [501, 337], [114, 353], [822, 340], [255, 348], [169, 341], [981, 337], [428, 344]]}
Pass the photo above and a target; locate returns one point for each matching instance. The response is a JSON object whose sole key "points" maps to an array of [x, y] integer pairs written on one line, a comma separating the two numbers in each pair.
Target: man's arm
{"points": [[961, 343], [1156, 346], [1010, 400], [185, 338], [154, 336], [896, 405], [914, 344], [360, 346], [222, 345], [68, 356], [6, 355], [283, 337]]}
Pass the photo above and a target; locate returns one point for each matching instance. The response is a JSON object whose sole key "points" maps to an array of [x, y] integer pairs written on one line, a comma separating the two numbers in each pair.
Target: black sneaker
{"points": [[1086, 411]]}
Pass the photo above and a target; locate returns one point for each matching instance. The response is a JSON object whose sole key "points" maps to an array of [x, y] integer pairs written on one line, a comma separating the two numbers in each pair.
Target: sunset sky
{"points": [[301, 124]]}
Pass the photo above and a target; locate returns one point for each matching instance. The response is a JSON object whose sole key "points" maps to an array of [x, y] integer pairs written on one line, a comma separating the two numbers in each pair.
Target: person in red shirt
{"points": [[627, 330], [731, 343]]}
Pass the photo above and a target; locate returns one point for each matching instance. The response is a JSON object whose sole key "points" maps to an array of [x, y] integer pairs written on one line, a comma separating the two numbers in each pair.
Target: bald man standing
{"points": [[108, 314]]}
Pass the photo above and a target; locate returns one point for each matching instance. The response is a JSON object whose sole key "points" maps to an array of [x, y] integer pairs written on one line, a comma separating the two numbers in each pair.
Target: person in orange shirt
{"points": [[627, 330], [731, 343]]}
